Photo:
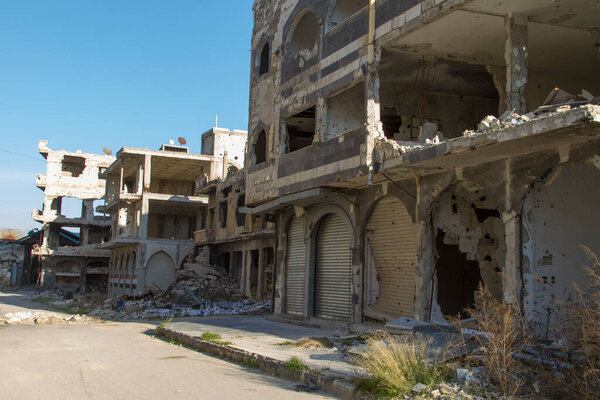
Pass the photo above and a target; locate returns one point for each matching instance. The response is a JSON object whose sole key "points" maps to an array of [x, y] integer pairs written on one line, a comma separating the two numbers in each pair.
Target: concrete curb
{"points": [[334, 385]]}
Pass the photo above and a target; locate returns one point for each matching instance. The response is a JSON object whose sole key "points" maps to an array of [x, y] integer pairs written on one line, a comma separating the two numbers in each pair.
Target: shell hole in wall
{"points": [[457, 279]]}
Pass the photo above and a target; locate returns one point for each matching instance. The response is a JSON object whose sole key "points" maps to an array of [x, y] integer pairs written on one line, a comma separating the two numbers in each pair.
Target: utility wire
{"points": [[20, 154]]}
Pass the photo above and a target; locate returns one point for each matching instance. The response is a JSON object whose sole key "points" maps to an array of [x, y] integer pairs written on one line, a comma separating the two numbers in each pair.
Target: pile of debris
{"points": [[43, 318], [557, 101], [200, 290]]}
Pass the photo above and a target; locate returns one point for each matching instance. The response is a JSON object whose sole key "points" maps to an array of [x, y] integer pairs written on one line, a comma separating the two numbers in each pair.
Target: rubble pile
{"points": [[43, 318], [557, 101], [200, 290]]}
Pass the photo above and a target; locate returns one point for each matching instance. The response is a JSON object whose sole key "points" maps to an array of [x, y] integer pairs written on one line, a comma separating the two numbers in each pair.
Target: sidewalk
{"points": [[259, 342]]}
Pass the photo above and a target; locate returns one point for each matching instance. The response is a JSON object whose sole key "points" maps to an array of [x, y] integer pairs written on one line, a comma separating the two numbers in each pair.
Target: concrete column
{"points": [[261, 273], [147, 172], [511, 277], [144, 216], [232, 264], [248, 274], [372, 112], [515, 55], [243, 275]]}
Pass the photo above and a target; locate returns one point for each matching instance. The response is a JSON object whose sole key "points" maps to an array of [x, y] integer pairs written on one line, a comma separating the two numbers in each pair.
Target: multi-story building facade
{"points": [[72, 261], [242, 244], [154, 211], [390, 198]]}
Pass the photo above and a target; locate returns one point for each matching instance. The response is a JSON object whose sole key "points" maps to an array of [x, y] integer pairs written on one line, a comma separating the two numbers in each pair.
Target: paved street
{"points": [[118, 361]]}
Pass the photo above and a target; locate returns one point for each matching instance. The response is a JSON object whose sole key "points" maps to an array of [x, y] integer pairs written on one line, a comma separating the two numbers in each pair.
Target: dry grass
{"points": [[503, 335], [397, 364], [314, 343]]}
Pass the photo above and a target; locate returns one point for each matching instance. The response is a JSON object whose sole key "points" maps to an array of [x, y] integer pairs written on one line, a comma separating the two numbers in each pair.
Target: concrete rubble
{"points": [[44, 318]]}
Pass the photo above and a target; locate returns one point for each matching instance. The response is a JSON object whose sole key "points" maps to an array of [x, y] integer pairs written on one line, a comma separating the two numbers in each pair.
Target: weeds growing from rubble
{"points": [[314, 343], [295, 364], [503, 334], [397, 364], [214, 338]]}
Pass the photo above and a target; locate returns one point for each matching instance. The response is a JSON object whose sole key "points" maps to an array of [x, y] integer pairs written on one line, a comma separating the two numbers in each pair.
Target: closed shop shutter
{"points": [[295, 275], [333, 270], [391, 234]]}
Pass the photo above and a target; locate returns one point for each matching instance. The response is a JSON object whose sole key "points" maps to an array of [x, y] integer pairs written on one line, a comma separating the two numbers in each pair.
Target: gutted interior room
{"points": [[423, 96]]}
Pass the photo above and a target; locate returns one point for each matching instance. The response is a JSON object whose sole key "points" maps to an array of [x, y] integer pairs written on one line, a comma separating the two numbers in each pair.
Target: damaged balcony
{"points": [[562, 128]]}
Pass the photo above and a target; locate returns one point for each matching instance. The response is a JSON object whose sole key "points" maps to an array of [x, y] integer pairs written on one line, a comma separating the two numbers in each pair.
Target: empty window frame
{"points": [[260, 147], [241, 217], [72, 166], [263, 61], [304, 36], [300, 129], [343, 10]]}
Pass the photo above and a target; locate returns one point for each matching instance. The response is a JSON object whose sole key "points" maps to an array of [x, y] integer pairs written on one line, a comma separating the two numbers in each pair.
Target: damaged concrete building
{"points": [[391, 197], [154, 210], [73, 260], [243, 245]]}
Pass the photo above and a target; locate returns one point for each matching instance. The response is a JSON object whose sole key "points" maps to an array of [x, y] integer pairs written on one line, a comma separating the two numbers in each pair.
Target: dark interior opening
{"points": [[263, 66], [225, 258], [457, 279], [73, 166], [301, 129], [223, 213], [241, 217], [260, 147], [254, 274]]}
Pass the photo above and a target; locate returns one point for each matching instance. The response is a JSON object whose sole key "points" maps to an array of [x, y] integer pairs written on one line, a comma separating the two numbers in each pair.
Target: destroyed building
{"points": [[154, 210], [70, 254], [242, 244], [390, 198]]}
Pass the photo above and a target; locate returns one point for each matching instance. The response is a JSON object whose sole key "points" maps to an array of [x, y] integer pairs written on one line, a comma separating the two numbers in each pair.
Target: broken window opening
{"points": [[391, 121], [343, 10], [301, 129], [241, 217], [424, 97], [72, 166], [260, 147], [305, 34], [345, 111], [223, 214], [231, 171], [263, 64], [457, 277]]}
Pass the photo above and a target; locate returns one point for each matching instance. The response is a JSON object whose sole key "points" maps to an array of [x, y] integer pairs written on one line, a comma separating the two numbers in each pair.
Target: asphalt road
{"points": [[118, 361]]}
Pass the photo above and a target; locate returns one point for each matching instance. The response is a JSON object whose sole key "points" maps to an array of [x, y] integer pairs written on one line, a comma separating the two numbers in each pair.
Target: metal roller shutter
{"points": [[392, 236], [333, 270], [295, 275]]}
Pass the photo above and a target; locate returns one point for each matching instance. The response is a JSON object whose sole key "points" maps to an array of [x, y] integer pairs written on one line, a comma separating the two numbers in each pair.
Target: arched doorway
{"points": [[391, 237], [160, 272], [333, 269]]}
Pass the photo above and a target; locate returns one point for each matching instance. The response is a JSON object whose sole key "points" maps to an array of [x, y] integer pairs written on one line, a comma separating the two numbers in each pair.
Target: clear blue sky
{"points": [[88, 74]]}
